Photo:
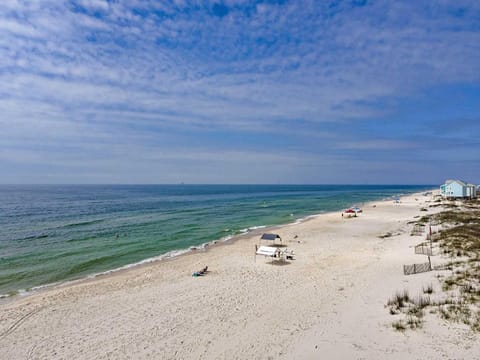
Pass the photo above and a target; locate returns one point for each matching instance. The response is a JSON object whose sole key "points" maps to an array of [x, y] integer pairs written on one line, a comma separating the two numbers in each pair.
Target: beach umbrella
{"points": [[351, 211]]}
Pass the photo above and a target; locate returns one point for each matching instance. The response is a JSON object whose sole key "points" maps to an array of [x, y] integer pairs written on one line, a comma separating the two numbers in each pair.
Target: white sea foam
{"points": [[303, 219], [247, 230], [257, 227]]}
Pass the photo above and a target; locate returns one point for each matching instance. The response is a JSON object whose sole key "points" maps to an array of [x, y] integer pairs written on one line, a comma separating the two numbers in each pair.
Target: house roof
{"points": [[448, 182]]}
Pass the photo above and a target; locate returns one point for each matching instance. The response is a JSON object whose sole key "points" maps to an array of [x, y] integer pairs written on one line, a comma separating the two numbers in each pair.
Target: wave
{"points": [[82, 223], [92, 237], [88, 265], [252, 228], [34, 237]]}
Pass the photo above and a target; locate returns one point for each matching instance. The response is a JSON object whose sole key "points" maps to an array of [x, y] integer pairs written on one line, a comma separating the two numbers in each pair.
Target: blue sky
{"points": [[233, 91]]}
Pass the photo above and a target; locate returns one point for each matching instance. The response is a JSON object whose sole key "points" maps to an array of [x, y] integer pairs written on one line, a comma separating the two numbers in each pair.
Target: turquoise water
{"points": [[52, 233]]}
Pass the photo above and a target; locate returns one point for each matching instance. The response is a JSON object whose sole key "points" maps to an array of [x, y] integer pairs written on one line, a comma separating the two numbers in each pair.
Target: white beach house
{"points": [[458, 189], [471, 191]]}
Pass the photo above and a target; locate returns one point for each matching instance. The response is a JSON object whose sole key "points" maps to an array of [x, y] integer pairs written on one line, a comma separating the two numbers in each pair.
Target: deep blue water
{"points": [[52, 233]]}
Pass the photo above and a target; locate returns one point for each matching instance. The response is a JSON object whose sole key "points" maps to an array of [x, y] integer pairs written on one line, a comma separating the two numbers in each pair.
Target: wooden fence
{"points": [[417, 230], [424, 249], [416, 268]]}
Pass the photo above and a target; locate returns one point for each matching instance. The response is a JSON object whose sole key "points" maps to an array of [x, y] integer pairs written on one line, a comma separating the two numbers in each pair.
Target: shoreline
{"points": [[330, 301], [172, 255]]}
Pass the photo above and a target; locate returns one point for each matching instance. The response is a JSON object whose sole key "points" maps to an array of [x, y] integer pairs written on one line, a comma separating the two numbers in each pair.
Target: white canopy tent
{"points": [[268, 251]]}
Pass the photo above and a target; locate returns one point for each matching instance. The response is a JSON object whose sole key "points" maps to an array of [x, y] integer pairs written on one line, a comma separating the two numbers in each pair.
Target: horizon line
{"points": [[213, 184]]}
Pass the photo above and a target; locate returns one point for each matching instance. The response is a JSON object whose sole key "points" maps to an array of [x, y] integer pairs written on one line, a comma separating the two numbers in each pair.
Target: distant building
{"points": [[471, 191], [458, 189]]}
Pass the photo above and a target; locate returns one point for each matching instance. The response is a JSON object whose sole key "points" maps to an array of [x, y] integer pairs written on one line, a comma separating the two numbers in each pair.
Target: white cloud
{"points": [[95, 4], [270, 68], [17, 28]]}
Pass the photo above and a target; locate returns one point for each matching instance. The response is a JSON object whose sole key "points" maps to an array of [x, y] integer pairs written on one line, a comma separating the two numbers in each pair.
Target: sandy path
{"points": [[329, 302]]}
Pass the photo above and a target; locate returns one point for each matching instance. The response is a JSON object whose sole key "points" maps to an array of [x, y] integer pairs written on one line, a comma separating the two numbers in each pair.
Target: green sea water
{"points": [[55, 233]]}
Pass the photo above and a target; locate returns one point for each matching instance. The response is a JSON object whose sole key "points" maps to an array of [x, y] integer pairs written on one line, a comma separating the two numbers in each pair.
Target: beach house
{"points": [[458, 189], [471, 191]]}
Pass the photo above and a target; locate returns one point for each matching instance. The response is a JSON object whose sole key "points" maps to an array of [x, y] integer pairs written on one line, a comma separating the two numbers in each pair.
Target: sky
{"points": [[233, 91]]}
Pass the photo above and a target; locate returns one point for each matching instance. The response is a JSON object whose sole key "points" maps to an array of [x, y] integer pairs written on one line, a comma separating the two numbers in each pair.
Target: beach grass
{"points": [[459, 298]]}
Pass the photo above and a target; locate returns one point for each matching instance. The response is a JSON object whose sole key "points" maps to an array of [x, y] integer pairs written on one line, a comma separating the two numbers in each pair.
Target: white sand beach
{"points": [[329, 302]]}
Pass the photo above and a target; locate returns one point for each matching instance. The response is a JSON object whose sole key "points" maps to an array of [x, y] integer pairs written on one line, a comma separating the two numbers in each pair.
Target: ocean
{"points": [[56, 233]]}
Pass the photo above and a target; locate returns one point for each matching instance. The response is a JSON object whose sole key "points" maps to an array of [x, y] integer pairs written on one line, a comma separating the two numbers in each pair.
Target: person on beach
{"points": [[201, 272]]}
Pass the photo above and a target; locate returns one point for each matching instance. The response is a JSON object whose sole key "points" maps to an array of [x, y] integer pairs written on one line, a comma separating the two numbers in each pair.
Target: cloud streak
{"points": [[323, 81]]}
